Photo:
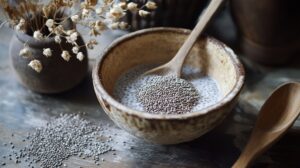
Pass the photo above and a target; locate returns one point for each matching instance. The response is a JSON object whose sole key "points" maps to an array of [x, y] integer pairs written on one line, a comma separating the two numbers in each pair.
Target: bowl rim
{"points": [[99, 89]]}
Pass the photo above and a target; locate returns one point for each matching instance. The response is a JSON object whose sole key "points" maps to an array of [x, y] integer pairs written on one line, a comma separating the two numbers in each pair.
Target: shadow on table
{"points": [[83, 93]]}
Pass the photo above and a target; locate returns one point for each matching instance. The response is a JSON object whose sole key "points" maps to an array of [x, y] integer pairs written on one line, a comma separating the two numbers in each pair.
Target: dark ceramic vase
{"points": [[170, 13], [57, 74], [270, 30]]}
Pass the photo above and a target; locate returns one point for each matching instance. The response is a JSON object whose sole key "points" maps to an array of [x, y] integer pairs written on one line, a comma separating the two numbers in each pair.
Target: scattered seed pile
{"points": [[63, 137], [129, 91], [168, 94]]}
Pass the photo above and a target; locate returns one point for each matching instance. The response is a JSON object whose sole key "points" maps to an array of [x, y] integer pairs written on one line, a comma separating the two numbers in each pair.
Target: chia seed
{"points": [[61, 138], [166, 94]]}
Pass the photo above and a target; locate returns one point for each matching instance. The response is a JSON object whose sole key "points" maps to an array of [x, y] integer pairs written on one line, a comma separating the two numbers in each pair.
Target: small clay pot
{"points": [[170, 13], [57, 74]]}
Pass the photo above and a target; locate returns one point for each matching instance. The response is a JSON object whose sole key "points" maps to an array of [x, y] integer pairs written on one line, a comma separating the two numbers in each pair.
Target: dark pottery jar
{"points": [[57, 74], [270, 30], [169, 13]]}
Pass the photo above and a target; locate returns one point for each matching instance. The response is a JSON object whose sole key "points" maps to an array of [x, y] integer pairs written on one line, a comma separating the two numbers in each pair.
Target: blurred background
{"points": [[265, 31]]}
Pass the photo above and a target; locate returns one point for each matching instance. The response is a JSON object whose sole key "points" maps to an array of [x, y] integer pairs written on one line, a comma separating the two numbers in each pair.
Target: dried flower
{"points": [[143, 13], [116, 12], [74, 36], [114, 25], [66, 55], [122, 5], [108, 1], [46, 11], [36, 65], [80, 56], [57, 39], [38, 35], [50, 29], [75, 49], [132, 6], [58, 30], [99, 25], [94, 32], [25, 52], [22, 21], [123, 25], [68, 38], [151, 5], [85, 13], [92, 24], [99, 11], [69, 32], [91, 2], [50, 23], [21, 25], [91, 44], [47, 52], [75, 18], [49, 18]]}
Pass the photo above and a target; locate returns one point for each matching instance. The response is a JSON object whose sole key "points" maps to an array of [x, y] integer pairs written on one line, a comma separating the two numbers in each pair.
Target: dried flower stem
{"points": [[44, 21]]}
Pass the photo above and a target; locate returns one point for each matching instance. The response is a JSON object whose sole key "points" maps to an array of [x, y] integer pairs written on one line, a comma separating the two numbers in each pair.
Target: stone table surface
{"points": [[22, 110]]}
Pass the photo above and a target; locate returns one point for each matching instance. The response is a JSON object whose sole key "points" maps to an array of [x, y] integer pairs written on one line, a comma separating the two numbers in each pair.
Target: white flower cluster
{"points": [[108, 15], [96, 16], [21, 25], [66, 55], [38, 35], [47, 52], [36, 65], [25, 52]]}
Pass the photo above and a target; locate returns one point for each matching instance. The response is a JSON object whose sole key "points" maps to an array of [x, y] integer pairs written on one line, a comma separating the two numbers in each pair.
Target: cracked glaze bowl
{"points": [[156, 46]]}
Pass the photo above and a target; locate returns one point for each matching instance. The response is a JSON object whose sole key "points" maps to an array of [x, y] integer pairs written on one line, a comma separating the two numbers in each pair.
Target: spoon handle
{"points": [[257, 144], [188, 44], [245, 158]]}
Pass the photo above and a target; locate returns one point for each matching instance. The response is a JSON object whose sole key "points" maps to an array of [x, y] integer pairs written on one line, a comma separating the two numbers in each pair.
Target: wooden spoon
{"points": [[276, 116], [175, 65]]}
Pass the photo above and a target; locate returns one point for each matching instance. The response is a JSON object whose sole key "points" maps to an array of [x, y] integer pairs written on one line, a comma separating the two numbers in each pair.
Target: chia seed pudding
{"points": [[166, 94]]}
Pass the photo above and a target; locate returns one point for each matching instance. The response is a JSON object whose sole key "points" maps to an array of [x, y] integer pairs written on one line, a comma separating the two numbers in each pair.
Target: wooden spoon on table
{"points": [[175, 65], [276, 116]]}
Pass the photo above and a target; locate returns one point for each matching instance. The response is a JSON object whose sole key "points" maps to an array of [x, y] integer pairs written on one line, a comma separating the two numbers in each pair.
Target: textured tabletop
{"points": [[22, 110]]}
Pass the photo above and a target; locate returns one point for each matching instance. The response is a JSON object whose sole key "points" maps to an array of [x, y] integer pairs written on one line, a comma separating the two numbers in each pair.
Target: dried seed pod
{"points": [[91, 2]]}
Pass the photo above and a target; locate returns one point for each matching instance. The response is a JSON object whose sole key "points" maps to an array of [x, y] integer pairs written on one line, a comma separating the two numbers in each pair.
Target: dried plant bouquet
{"points": [[46, 19]]}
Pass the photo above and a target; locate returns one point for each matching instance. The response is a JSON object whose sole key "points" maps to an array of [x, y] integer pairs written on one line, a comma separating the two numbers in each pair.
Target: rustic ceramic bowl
{"points": [[159, 45]]}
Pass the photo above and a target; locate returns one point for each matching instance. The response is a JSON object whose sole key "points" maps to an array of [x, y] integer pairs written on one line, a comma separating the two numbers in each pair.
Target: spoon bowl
{"points": [[285, 105], [276, 116]]}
